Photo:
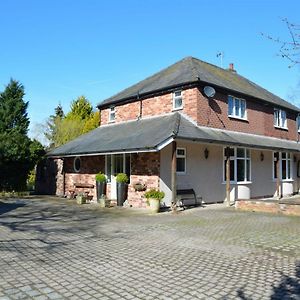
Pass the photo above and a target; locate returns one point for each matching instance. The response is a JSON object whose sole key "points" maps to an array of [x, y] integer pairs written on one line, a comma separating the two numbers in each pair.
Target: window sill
{"points": [[180, 173], [112, 121], [238, 118], [282, 128], [178, 108], [284, 180], [238, 183]]}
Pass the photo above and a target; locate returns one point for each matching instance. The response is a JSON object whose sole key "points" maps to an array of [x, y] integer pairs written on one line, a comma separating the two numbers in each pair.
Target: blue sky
{"points": [[61, 49]]}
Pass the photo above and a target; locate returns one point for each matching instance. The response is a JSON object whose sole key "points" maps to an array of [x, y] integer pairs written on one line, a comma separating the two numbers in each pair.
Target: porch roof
{"points": [[190, 131], [152, 134], [142, 135]]}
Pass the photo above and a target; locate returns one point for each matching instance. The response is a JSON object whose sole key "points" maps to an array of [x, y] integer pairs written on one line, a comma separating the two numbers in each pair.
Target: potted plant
{"points": [[81, 198], [153, 199], [100, 185], [122, 187], [139, 187], [104, 202]]}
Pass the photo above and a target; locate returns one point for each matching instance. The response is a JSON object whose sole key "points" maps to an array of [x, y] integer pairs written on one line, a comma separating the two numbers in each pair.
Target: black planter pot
{"points": [[122, 189], [101, 189]]}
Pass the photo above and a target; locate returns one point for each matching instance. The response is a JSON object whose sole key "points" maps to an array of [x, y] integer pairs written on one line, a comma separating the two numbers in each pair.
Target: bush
{"points": [[155, 194], [100, 177], [31, 180], [139, 187], [122, 178]]}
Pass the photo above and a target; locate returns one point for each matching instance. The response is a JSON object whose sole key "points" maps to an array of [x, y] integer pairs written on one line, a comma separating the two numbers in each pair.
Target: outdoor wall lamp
{"points": [[262, 156], [206, 153]]}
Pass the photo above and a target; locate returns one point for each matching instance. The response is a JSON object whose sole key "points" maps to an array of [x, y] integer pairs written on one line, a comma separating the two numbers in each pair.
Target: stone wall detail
{"points": [[288, 207]]}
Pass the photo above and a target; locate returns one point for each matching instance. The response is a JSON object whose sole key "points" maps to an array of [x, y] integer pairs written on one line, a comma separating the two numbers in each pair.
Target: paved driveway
{"points": [[52, 249]]}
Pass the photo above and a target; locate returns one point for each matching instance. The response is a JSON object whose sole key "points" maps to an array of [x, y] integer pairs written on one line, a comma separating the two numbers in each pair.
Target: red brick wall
{"points": [[260, 118], [145, 169], [90, 166], [154, 106], [210, 112]]}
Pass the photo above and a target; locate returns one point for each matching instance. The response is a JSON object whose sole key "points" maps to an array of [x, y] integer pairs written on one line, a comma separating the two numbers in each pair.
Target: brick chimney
{"points": [[231, 68]]}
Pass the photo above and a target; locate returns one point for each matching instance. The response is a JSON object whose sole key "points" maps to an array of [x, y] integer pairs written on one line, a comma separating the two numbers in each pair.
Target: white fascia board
{"points": [[164, 143], [103, 153]]}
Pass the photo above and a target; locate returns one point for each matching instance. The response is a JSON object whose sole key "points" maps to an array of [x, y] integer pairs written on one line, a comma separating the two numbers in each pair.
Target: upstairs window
{"points": [[180, 160], [298, 123], [112, 114], [177, 100], [236, 108], [280, 118]]}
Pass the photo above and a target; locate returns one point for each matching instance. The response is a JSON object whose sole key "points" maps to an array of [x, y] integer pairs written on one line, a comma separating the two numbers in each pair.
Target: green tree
{"points": [[92, 123], [16, 157], [37, 151], [53, 124], [81, 109], [13, 109], [68, 129], [80, 119]]}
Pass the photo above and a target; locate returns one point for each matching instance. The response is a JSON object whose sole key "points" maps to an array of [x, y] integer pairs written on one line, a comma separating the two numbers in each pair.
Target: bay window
{"points": [[285, 165], [240, 165]]}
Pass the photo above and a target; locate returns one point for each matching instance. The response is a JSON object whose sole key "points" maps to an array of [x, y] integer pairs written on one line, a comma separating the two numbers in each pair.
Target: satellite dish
{"points": [[209, 91]]}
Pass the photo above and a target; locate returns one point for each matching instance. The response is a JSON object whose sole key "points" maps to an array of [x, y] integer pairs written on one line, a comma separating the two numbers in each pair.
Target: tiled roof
{"points": [[154, 133], [192, 70]]}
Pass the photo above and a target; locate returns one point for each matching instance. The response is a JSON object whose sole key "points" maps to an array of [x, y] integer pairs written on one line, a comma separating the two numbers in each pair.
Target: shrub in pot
{"points": [[153, 199], [104, 202], [122, 188], [81, 198], [139, 187], [100, 185]]}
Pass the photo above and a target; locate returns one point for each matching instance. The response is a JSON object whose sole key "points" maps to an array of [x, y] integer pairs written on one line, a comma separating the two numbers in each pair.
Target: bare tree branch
{"points": [[289, 49]]}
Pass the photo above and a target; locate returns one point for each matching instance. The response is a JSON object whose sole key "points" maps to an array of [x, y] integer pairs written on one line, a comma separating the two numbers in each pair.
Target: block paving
{"points": [[55, 249]]}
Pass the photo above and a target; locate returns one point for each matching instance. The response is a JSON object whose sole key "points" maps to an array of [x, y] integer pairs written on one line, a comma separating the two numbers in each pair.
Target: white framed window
{"points": [[285, 165], [280, 118], [77, 164], [240, 165], [177, 100], [298, 123], [112, 114], [181, 160], [237, 108]]}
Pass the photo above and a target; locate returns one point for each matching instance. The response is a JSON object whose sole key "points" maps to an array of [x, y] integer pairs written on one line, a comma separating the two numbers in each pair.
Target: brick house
{"points": [[192, 125]]}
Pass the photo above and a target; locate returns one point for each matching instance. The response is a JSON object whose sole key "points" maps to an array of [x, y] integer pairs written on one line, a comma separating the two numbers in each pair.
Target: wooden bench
{"points": [[83, 185], [78, 185], [184, 195]]}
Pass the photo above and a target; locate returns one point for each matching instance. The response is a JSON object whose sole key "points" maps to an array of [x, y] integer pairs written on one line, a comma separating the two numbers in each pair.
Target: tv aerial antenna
{"points": [[221, 55]]}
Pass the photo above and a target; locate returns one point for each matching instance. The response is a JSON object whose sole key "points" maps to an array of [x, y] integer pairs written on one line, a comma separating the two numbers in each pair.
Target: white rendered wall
{"points": [[205, 176]]}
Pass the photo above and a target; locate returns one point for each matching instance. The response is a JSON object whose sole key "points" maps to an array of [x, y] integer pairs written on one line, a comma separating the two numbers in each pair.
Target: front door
{"points": [[116, 163]]}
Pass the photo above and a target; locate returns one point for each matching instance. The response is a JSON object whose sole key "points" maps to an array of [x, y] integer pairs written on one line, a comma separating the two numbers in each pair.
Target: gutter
{"points": [[222, 143], [102, 153]]}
